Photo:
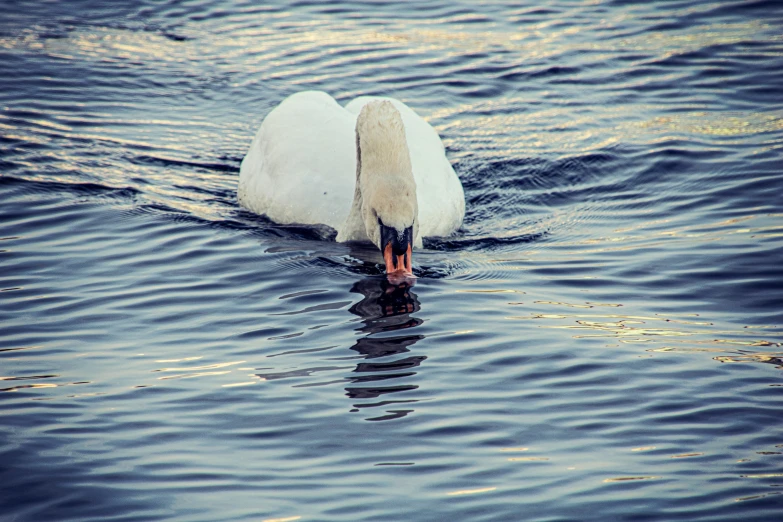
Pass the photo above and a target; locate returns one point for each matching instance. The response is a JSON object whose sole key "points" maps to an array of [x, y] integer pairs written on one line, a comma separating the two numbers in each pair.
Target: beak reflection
{"points": [[389, 360]]}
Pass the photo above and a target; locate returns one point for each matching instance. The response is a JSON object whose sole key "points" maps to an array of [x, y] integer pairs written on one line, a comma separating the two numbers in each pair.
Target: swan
{"points": [[373, 170]]}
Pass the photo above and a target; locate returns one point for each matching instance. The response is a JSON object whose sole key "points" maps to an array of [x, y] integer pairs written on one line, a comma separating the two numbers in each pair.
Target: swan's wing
{"points": [[438, 189], [301, 166]]}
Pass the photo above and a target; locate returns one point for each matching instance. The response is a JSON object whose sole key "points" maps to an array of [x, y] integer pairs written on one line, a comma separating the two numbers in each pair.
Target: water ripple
{"points": [[606, 324]]}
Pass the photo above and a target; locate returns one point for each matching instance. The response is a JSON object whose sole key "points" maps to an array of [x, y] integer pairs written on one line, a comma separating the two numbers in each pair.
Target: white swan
{"points": [[373, 170]]}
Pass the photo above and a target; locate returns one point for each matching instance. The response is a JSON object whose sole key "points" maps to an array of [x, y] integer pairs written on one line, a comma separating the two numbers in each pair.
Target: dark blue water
{"points": [[600, 341]]}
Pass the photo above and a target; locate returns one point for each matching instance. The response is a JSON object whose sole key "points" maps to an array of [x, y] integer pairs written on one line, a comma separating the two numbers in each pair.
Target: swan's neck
{"points": [[385, 188]]}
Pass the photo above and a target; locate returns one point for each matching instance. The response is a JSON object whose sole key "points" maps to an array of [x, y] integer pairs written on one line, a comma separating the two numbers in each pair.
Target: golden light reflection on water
{"points": [[544, 132], [191, 375], [193, 368], [558, 303], [287, 47], [24, 379], [30, 386], [470, 491], [238, 384], [687, 333], [180, 360], [646, 461], [686, 455], [771, 357], [186, 372], [650, 234]]}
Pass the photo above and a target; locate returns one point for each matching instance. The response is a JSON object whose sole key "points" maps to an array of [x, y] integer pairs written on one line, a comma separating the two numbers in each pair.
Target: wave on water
{"points": [[607, 323]]}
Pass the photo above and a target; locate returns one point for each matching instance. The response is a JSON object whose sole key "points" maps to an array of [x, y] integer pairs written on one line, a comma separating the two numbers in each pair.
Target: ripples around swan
{"points": [[600, 341]]}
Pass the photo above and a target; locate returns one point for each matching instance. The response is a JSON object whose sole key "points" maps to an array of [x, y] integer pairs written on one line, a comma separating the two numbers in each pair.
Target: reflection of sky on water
{"points": [[606, 325]]}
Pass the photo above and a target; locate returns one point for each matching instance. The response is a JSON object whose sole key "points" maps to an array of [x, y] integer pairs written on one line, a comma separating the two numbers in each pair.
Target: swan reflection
{"points": [[386, 307]]}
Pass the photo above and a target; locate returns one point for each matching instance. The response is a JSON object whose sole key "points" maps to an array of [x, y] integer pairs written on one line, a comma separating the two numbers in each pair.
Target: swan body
{"points": [[365, 169]]}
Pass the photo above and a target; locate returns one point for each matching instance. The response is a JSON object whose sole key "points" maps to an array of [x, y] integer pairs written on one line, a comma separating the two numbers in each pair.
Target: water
{"points": [[600, 341]]}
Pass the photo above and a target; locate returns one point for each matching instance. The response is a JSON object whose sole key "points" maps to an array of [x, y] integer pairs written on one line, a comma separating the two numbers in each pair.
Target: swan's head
{"points": [[389, 207]]}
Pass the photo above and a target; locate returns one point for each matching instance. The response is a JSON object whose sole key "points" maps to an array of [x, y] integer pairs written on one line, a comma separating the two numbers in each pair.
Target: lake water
{"points": [[600, 341]]}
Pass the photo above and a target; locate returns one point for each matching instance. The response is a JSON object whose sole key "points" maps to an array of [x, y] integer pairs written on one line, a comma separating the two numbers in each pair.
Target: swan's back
{"points": [[301, 166]]}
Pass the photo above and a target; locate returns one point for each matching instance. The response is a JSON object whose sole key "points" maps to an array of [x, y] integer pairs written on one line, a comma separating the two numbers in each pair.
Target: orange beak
{"points": [[398, 266]]}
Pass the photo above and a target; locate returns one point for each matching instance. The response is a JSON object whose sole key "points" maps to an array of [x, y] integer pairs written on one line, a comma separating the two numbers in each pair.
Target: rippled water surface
{"points": [[600, 341]]}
